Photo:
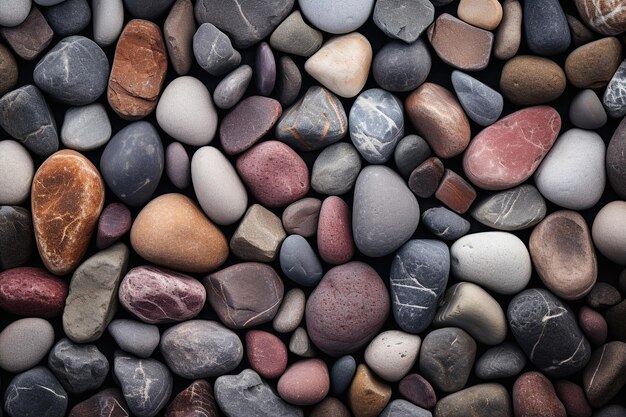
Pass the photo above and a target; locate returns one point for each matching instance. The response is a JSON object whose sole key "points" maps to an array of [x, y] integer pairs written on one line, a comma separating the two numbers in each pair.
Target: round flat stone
{"points": [[135, 337], [592, 65], [32, 292], [528, 80], [509, 34], [586, 111], [403, 19], [545, 27], [177, 165], [402, 67], [291, 311], [608, 231], [213, 50], [301, 217], [602, 296], [247, 123], [392, 354], [86, 128], [79, 368], [533, 394], [444, 223], [514, 209], [178, 31], [232, 87], [335, 169], [266, 353], [295, 36], [305, 382], [16, 236], [264, 70], [481, 103], [16, 172], [114, 222], [503, 361], [35, 393], [299, 262], [336, 18], [24, 343], [68, 17]]}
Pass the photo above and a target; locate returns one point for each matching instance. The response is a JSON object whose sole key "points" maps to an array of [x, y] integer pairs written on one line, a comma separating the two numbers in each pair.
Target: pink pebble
{"points": [[305, 382], [334, 232], [267, 354]]}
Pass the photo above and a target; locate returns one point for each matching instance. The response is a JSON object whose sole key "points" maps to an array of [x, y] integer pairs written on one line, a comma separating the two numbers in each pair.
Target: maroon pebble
{"points": [[32, 292], [593, 325], [194, 401], [177, 165], [266, 353], [115, 221], [306, 382], [573, 398], [109, 403], [274, 173], [418, 390], [334, 232], [455, 192], [425, 178], [534, 396]]}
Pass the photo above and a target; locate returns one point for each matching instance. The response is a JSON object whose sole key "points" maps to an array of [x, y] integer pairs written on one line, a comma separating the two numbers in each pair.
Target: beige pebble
{"points": [[485, 14], [509, 34]]}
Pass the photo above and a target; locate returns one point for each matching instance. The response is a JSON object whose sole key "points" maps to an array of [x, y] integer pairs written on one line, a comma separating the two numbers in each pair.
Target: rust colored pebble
{"points": [[573, 398], [418, 390], [32, 292], [593, 325], [455, 192], [138, 70], [425, 179], [306, 382], [194, 401], [534, 396], [368, 395], [114, 222], [29, 38], [334, 232], [267, 354]]}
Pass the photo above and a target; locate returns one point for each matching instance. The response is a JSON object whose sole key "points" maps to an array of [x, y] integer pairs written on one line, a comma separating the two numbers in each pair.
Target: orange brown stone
{"points": [[455, 192]]}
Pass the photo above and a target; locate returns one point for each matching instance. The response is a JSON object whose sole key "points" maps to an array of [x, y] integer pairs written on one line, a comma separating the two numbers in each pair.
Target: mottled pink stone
{"points": [[32, 292], [267, 354], [334, 232], [114, 222]]}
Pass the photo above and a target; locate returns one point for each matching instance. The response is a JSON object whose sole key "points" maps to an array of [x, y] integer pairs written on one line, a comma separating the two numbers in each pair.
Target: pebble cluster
{"points": [[212, 208]]}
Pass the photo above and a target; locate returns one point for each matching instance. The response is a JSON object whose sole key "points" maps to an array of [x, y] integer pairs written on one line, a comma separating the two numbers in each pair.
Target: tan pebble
{"points": [[527, 80], [509, 34], [593, 65], [258, 236], [485, 14]]}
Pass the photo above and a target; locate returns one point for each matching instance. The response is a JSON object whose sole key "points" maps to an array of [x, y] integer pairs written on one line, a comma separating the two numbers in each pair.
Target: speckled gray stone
{"points": [[79, 368], [69, 17], [376, 124], [300, 344], [75, 71], [232, 87], [586, 111], [341, 374], [515, 209], [135, 337], [410, 152], [291, 311], [545, 27], [25, 342], [35, 393], [86, 128], [335, 169], [294, 36], [147, 9], [299, 262], [400, 67], [288, 81], [481, 103], [503, 361], [213, 50], [403, 19], [444, 223], [614, 99], [14, 12], [403, 408]]}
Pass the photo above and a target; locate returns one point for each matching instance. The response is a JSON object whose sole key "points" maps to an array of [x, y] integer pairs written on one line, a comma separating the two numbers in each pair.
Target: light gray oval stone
{"points": [[135, 337], [108, 21], [410, 152], [401, 67], [586, 111], [299, 262], [86, 128], [403, 19], [16, 173], [336, 17], [232, 87], [445, 223], [403, 408], [300, 344], [291, 311], [614, 99], [392, 354], [24, 343], [14, 12], [335, 169], [213, 50], [481, 103], [79, 368], [503, 361], [515, 209]]}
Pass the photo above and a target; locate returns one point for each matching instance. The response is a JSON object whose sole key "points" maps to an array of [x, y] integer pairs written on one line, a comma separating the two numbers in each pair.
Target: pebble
{"points": [[330, 407], [25, 115], [580, 33], [613, 410], [245, 294], [16, 172], [335, 18], [68, 17], [399, 67], [503, 361], [534, 395], [86, 128], [605, 375], [194, 401], [447, 357], [460, 45], [288, 82], [79, 368], [35, 393], [74, 71], [232, 87], [518, 208], [368, 396], [217, 186], [213, 50], [259, 235], [547, 331], [301, 217], [409, 153], [305, 382], [502, 156], [147, 9], [481, 400], [586, 111], [438, 117], [593, 325], [67, 198], [392, 354], [24, 343], [615, 159], [403, 19], [509, 33], [114, 222], [274, 173], [106, 403], [187, 346], [15, 12], [299, 262], [342, 64], [568, 267], [8, 69], [376, 124], [608, 231], [573, 398], [266, 353], [177, 165], [132, 163], [424, 180], [246, 394], [417, 390], [341, 374], [247, 123], [186, 112], [602, 296], [335, 169], [528, 80], [614, 316], [108, 21], [481, 103], [592, 65], [418, 279], [137, 338], [455, 192], [445, 224], [291, 311], [603, 16], [92, 299], [385, 212], [179, 296], [146, 383], [16, 236], [178, 31], [614, 99], [402, 408], [484, 14], [313, 122], [300, 345], [265, 70], [295, 36], [468, 306], [32, 292], [245, 23], [31, 37], [138, 70], [337, 304]]}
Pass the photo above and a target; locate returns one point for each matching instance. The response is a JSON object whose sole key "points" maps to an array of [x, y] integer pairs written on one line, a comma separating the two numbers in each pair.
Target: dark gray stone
{"points": [[504, 361], [545, 27], [146, 383], [515, 209], [341, 374], [447, 357], [313, 122], [245, 22], [400, 67], [481, 103], [403, 19], [69, 17], [213, 50], [247, 394], [614, 99], [616, 160], [547, 331], [614, 410], [35, 393], [410, 152], [403, 408], [79, 368], [335, 169], [16, 236], [444, 223], [147, 9], [439, 3], [135, 337], [187, 346], [288, 81], [25, 115], [294, 36], [132, 163], [586, 111], [232, 87], [264, 70], [299, 262], [418, 279]]}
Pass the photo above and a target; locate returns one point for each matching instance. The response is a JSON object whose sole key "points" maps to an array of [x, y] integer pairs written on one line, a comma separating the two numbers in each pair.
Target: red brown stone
{"points": [[138, 70], [573, 398], [32, 292], [194, 401], [266, 353], [593, 325], [114, 222], [67, 197], [107, 403], [455, 192], [426, 177], [334, 232], [534, 396], [418, 390], [29, 38]]}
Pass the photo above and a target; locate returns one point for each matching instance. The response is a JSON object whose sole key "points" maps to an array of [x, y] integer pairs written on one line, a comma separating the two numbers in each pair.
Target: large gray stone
{"points": [[514, 209], [35, 393], [213, 50], [79, 368], [68, 17], [135, 337], [481, 103], [335, 169], [545, 27], [401, 67], [403, 19]]}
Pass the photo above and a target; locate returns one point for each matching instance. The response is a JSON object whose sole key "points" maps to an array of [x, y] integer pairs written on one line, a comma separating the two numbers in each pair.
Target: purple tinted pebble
{"points": [[114, 222], [264, 70], [593, 325], [177, 165]]}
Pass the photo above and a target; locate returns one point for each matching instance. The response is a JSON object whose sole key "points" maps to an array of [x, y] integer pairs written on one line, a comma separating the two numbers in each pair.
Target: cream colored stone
{"points": [[485, 14], [258, 236]]}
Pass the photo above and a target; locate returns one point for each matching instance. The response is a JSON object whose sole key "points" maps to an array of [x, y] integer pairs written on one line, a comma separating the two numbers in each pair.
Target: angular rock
{"points": [[481, 103], [614, 99], [534, 395], [417, 390], [592, 65], [586, 111], [290, 312], [178, 32], [16, 172], [604, 376], [288, 82], [32, 292], [518, 208], [341, 374], [368, 395], [528, 80], [106, 403], [35, 393], [114, 222], [401, 67], [266, 353], [425, 178], [335, 169], [232, 87], [86, 128], [294, 36], [30, 37], [213, 50], [299, 262], [335, 18], [305, 382], [134, 337], [108, 21], [79, 368], [194, 401], [68, 17], [509, 34], [603, 16], [481, 400], [16, 236], [402, 19], [392, 354], [503, 361], [177, 165], [455, 192], [301, 217], [608, 233], [258, 236], [24, 343], [444, 223]]}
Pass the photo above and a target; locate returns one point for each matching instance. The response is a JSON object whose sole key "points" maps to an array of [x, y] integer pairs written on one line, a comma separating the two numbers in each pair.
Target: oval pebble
{"points": [[266, 353], [16, 172], [290, 312], [586, 111], [24, 343], [177, 165], [341, 374], [444, 223], [305, 382], [399, 67], [335, 169], [609, 231], [334, 235], [135, 337], [392, 354], [232, 87], [299, 262], [517, 208], [86, 128], [502, 361], [35, 393], [33, 292]]}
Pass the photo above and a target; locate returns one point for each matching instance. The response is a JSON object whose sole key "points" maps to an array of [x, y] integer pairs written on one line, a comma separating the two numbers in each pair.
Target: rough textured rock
{"points": [[368, 395], [266, 353], [259, 235], [528, 80], [301, 217], [79, 368], [614, 99], [514, 209], [534, 395], [605, 16], [30, 37], [295, 36], [35, 393], [481, 400], [24, 343], [604, 376], [106, 403], [335, 169], [114, 222], [194, 401], [401, 67], [135, 337], [16, 236], [402, 19], [502, 361], [392, 354], [178, 32], [32, 292], [213, 50]]}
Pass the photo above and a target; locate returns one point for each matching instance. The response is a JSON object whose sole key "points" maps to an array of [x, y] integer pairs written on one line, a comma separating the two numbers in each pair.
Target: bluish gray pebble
{"points": [[299, 261], [403, 408], [79, 368], [515, 209], [614, 99], [135, 337], [545, 27], [69, 17], [147, 9], [403, 19], [341, 374], [444, 223], [232, 87], [586, 111], [481, 103], [35, 393], [400, 67], [264, 70], [410, 152], [336, 169], [213, 50], [504, 361]]}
